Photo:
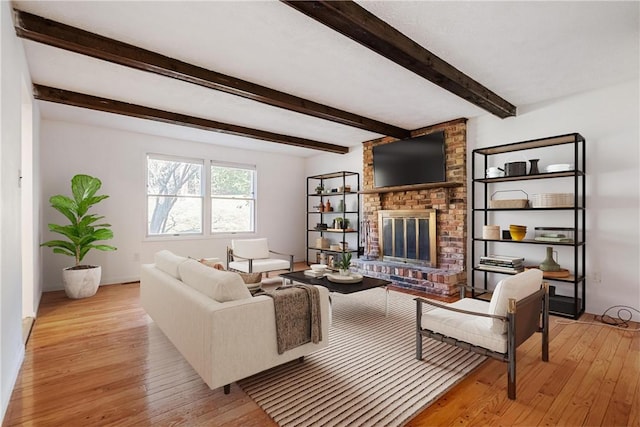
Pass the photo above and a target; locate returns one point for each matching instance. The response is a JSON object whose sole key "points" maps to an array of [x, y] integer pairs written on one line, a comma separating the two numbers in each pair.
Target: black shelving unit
{"points": [[568, 298], [339, 188]]}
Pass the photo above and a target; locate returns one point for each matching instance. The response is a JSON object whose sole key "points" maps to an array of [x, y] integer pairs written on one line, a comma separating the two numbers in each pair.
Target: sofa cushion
{"points": [[169, 262], [472, 329], [217, 284], [248, 278], [519, 286]]}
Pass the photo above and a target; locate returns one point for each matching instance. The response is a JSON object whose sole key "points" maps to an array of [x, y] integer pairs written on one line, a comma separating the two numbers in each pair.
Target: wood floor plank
{"points": [[624, 400], [572, 371], [598, 387], [102, 362]]}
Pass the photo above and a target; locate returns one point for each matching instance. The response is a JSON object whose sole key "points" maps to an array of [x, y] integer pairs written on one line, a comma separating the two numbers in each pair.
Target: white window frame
{"points": [[253, 198], [203, 189]]}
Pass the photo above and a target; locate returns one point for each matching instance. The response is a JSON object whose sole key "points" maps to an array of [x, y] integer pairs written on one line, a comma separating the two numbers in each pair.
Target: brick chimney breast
{"points": [[450, 204]]}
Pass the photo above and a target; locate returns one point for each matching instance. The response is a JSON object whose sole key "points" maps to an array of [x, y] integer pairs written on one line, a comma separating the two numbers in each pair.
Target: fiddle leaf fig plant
{"points": [[82, 233]]}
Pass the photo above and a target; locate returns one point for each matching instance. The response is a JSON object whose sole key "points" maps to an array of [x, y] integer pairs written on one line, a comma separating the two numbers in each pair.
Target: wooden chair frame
{"points": [[524, 318]]}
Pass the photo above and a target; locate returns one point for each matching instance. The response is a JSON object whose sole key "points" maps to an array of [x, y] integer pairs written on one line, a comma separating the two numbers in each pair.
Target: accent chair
{"points": [[254, 256], [519, 307]]}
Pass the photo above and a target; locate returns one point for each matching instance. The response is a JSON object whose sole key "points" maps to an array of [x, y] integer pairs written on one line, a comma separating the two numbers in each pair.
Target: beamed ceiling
{"points": [[298, 77]]}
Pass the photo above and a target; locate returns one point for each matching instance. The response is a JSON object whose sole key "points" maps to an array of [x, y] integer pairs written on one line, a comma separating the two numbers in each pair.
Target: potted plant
{"points": [[319, 189], [337, 223], [344, 264], [80, 281]]}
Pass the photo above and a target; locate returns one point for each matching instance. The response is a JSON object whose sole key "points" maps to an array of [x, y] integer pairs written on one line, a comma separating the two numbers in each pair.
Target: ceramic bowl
{"points": [[318, 268], [517, 231]]}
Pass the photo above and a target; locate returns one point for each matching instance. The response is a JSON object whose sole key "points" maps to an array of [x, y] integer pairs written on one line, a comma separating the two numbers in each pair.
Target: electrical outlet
{"points": [[597, 277]]}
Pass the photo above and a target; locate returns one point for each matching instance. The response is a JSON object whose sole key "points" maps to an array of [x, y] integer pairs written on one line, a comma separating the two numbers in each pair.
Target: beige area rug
{"points": [[368, 376]]}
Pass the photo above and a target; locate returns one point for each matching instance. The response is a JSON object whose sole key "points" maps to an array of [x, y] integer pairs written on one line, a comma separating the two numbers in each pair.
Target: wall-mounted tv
{"points": [[418, 160]]}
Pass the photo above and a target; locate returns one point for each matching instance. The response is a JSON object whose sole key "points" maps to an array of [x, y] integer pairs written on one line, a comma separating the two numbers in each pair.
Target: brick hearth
{"points": [[451, 211], [426, 279]]}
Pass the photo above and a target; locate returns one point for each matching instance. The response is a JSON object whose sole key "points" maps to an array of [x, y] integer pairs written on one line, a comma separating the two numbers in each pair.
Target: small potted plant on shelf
{"points": [[344, 264], [337, 223], [319, 189], [80, 281]]}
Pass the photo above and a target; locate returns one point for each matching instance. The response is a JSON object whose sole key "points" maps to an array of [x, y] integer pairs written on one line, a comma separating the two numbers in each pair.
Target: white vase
{"points": [[344, 271], [81, 282]]}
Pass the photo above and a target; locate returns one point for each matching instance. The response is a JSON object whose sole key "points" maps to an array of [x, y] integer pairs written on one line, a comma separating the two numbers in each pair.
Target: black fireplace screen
{"points": [[408, 236]]}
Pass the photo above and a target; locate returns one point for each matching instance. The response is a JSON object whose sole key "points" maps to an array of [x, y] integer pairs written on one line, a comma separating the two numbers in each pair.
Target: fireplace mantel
{"points": [[412, 187]]}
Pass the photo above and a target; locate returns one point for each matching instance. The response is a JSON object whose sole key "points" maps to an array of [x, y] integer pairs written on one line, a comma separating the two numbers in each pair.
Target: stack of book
{"points": [[502, 263]]}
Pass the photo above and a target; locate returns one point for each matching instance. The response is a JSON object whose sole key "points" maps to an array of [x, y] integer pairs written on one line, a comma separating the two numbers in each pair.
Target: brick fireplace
{"points": [[448, 200]]}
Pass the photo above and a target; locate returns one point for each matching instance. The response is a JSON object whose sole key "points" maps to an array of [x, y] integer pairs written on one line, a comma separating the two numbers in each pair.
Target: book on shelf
{"points": [[501, 263], [503, 258], [500, 269]]}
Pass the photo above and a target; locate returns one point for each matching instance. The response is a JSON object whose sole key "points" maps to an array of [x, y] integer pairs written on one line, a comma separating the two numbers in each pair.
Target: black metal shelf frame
{"points": [[576, 302], [342, 178]]}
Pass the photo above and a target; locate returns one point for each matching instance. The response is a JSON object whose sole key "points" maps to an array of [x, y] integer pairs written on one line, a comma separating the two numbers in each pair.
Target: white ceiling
{"points": [[526, 52]]}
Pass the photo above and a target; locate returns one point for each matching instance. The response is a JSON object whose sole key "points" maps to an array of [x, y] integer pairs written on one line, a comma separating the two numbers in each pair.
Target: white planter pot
{"points": [[83, 282]]}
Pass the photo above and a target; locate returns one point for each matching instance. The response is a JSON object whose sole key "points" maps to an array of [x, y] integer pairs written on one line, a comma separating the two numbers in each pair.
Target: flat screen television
{"points": [[418, 160]]}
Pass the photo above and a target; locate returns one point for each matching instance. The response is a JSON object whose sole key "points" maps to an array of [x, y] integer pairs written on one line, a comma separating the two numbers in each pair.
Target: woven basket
{"points": [[509, 203], [552, 200]]}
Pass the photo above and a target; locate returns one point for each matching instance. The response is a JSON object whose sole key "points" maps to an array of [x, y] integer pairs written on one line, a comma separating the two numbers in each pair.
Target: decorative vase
{"points": [[344, 271], [341, 206], [533, 170], [549, 264], [327, 207]]}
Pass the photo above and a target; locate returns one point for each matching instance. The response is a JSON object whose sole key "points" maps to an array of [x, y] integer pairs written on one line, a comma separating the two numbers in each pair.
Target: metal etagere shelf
{"points": [[569, 301], [341, 190]]}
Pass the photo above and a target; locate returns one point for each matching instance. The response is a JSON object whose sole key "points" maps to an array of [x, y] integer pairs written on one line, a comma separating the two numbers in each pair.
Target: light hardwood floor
{"points": [[102, 361]]}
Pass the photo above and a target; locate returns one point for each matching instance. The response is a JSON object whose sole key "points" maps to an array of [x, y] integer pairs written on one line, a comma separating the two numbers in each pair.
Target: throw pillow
{"points": [[251, 278], [213, 264]]}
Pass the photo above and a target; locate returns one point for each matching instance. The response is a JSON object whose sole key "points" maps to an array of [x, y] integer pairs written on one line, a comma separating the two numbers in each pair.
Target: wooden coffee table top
{"points": [[342, 288]]}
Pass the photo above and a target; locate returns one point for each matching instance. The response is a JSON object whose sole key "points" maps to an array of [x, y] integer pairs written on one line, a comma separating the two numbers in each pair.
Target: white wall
{"points": [[329, 162], [31, 206], [13, 72], [118, 159], [609, 121]]}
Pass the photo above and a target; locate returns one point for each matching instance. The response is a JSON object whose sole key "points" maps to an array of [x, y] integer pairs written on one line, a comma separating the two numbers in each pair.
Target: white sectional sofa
{"points": [[210, 316]]}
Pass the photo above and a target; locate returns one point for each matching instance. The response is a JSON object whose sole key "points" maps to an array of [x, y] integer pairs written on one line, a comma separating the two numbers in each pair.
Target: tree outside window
{"points": [[174, 196], [232, 198]]}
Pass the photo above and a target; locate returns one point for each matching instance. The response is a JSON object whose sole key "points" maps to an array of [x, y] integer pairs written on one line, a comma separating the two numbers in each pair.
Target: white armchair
{"points": [[519, 307], [254, 256]]}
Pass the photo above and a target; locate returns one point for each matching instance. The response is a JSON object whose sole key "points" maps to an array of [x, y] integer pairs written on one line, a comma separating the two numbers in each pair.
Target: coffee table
{"points": [[341, 288]]}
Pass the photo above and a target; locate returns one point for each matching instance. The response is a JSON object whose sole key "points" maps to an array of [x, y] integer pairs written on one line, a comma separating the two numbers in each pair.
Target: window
{"points": [[174, 196], [233, 198]]}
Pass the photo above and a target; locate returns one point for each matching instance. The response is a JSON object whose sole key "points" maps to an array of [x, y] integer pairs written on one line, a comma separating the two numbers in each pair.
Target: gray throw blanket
{"points": [[297, 309]]}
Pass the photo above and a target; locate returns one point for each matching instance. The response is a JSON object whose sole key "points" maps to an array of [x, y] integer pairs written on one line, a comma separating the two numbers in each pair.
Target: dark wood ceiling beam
{"points": [[36, 28], [355, 22], [61, 96]]}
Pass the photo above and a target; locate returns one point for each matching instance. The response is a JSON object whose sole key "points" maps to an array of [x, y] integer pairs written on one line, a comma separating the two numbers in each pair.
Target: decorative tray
{"points": [[351, 278], [551, 274]]}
